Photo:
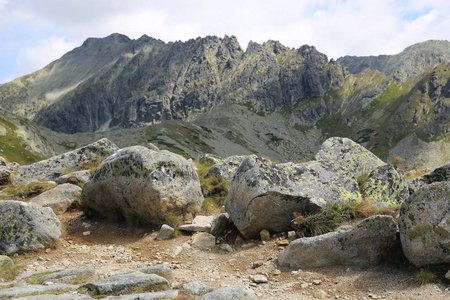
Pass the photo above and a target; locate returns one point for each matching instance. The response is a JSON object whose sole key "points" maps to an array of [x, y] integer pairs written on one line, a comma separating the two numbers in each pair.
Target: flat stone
{"points": [[229, 293], [169, 294], [86, 272], [34, 289], [165, 233], [196, 288], [259, 279], [203, 241], [203, 220], [195, 227]]}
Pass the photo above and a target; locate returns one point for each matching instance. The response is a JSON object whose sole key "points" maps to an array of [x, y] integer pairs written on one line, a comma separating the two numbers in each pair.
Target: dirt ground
{"points": [[112, 248]]}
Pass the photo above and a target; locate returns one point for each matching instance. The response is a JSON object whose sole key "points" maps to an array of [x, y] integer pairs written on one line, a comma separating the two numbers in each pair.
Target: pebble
{"points": [[86, 233], [259, 279]]}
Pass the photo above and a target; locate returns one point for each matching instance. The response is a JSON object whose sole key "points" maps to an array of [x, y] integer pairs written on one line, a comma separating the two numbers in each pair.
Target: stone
{"points": [[264, 235], [203, 241], [203, 220], [196, 288], [142, 186], [195, 227], [259, 278], [162, 270], [424, 224], [5, 261], [264, 195], [85, 272], [2, 161], [386, 184], [220, 224], [165, 233], [5, 175], [18, 291], [152, 147], [119, 283], [447, 275], [226, 247], [226, 168], [441, 173], [320, 294], [292, 234], [209, 158], [175, 251], [60, 198], [169, 294], [26, 226], [365, 244], [229, 293], [345, 156], [51, 168], [74, 177]]}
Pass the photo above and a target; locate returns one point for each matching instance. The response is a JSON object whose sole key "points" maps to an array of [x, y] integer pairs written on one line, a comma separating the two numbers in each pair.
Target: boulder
{"points": [[227, 167], [141, 186], [345, 156], [5, 176], [200, 223], [203, 241], [220, 224], [165, 233], [264, 195], [229, 293], [386, 184], [441, 173], [60, 198], [51, 168], [122, 282], [424, 224], [26, 226], [364, 244], [74, 178]]}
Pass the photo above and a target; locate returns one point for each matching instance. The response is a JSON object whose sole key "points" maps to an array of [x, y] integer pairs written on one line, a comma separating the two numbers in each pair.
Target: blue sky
{"points": [[35, 33]]}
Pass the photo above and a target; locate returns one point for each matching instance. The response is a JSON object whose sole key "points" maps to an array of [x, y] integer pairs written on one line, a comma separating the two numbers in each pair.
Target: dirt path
{"points": [[112, 248]]}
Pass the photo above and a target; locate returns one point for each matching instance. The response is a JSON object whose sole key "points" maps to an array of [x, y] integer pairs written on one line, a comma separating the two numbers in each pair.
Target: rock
{"points": [[152, 147], [344, 155], [227, 167], [265, 235], [226, 247], [209, 158], [5, 261], [51, 168], [196, 288], [85, 272], [141, 185], [386, 184], [264, 195], [447, 275], [203, 241], [229, 293], [162, 270], [60, 198], [424, 224], [2, 161], [74, 178], [18, 291], [175, 251], [199, 224], [320, 294], [169, 294], [119, 283], [292, 234], [259, 279], [165, 233], [26, 226], [5, 176], [66, 296], [365, 244], [439, 174], [220, 224]]}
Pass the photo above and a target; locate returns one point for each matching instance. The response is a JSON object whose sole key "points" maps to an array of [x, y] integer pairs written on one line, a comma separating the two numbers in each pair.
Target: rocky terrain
{"points": [[266, 246], [270, 100]]}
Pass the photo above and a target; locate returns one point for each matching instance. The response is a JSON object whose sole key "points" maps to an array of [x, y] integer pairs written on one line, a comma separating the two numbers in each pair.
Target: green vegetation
{"points": [[9, 272], [27, 191], [13, 147], [334, 215], [423, 277]]}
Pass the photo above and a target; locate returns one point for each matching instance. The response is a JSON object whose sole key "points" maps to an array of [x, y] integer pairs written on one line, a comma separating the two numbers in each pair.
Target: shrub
{"points": [[423, 277]]}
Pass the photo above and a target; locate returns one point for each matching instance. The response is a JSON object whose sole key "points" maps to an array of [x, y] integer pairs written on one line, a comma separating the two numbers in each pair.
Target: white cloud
{"points": [[38, 56]]}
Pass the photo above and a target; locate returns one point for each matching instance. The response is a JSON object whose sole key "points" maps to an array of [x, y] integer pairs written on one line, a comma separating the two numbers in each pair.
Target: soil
{"points": [[112, 248]]}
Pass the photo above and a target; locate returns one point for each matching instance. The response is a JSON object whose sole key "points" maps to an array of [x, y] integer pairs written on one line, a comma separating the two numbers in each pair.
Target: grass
{"points": [[27, 191], [9, 272], [93, 163], [423, 277], [334, 215]]}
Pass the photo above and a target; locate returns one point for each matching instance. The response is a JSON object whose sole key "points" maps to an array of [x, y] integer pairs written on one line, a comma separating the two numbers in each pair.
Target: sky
{"points": [[34, 33]]}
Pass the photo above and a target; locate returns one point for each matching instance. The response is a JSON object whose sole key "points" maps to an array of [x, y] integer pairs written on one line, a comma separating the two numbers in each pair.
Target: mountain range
{"points": [[209, 95]]}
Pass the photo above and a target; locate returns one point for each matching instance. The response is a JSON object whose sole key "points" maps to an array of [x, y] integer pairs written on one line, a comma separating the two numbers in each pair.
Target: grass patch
{"points": [[27, 191], [9, 272], [423, 277], [93, 163]]}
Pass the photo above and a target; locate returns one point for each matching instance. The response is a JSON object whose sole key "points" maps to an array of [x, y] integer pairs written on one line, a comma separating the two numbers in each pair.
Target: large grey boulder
{"points": [[51, 168], [345, 156], [26, 226], [229, 293], [60, 198], [264, 195], [365, 244], [141, 185], [122, 282], [441, 173], [386, 184], [226, 168], [424, 224]]}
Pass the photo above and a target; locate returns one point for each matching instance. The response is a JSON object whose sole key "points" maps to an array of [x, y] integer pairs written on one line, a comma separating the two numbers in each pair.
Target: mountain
{"points": [[270, 99]]}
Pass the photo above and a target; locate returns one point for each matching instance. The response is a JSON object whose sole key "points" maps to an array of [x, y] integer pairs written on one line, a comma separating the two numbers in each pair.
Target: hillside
{"points": [[270, 99]]}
